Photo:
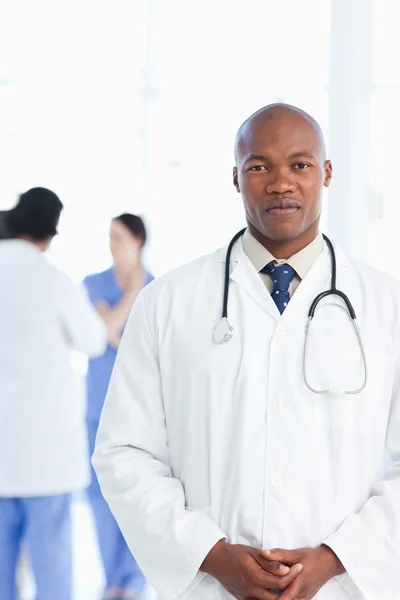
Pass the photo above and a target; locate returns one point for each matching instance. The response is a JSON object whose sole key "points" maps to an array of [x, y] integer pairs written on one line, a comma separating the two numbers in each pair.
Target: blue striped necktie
{"points": [[282, 277]]}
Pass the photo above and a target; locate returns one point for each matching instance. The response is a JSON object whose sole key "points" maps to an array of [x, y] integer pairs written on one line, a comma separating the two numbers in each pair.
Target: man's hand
{"points": [[319, 566], [245, 573], [103, 309], [113, 336]]}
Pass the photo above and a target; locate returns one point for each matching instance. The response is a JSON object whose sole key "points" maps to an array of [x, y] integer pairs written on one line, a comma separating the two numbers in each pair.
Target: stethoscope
{"points": [[224, 331]]}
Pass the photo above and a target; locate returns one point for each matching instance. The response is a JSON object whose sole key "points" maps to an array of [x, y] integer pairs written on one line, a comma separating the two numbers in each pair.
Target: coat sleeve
{"points": [[83, 326], [131, 459], [368, 543]]}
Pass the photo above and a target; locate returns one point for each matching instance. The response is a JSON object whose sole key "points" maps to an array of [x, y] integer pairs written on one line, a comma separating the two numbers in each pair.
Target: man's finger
{"points": [[272, 566], [284, 582], [263, 595], [287, 557], [266, 595], [276, 584], [293, 591]]}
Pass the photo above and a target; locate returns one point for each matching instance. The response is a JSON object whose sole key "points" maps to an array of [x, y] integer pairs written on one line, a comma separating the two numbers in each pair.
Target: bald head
{"points": [[293, 116]]}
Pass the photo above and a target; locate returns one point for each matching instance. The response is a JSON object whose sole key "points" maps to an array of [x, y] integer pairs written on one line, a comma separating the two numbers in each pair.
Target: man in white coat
{"points": [[43, 447], [212, 454]]}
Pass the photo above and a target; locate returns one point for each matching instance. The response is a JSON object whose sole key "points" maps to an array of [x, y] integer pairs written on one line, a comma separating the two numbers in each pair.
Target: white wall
{"points": [[208, 69], [134, 106], [75, 117]]}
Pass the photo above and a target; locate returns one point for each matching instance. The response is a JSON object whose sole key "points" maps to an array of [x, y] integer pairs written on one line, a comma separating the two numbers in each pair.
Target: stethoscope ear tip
{"points": [[223, 331]]}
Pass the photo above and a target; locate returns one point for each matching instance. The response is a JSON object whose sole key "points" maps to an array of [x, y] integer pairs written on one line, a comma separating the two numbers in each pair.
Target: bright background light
{"points": [[133, 105]]}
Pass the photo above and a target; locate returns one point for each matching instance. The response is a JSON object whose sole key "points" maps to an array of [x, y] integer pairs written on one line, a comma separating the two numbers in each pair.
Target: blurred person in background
{"points": [[43, 444], [113, 293]]}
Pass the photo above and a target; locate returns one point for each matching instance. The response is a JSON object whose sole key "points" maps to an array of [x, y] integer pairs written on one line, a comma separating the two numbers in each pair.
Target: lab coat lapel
{"points": [[317, 280], [244, 274]]}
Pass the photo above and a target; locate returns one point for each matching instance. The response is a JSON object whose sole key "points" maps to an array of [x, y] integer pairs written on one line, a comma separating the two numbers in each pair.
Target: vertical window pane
{"points": [[385, 42], [385, 135]]}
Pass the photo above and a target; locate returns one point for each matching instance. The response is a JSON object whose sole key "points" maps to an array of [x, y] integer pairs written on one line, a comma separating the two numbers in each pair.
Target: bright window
{"points": [[385, 135], [134, 107], [212, 66]]}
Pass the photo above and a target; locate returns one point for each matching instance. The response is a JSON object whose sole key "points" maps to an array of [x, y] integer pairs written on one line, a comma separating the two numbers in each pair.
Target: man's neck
{"points": [[285, 249], [41, 245]]}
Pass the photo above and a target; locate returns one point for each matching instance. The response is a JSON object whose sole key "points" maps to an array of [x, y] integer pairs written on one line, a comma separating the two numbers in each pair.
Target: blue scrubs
{"points": [[120, 568], [44, 524]]}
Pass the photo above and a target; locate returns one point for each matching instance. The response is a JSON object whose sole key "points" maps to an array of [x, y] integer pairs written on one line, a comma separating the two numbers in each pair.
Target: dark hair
{"points": [[36, 215], [134, 224], [4, 233]]}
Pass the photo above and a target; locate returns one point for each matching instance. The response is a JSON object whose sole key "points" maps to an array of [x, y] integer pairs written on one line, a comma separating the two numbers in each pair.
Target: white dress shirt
{"points": [[301, 262]]}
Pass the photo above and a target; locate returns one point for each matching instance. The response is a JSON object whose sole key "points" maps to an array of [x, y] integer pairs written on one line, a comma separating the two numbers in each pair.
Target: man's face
{"points": [[281, 172]]}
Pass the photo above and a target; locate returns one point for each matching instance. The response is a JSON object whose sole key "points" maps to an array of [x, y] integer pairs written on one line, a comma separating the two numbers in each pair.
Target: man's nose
{"points": [[282, 182]]}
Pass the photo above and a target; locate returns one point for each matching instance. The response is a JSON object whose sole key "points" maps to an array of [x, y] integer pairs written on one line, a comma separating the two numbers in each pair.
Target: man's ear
{"points": [[328, 173], [236, 179]]}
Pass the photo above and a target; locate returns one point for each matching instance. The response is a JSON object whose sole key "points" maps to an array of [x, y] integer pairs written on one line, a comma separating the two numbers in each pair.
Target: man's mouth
{"points": [[283, 209]]}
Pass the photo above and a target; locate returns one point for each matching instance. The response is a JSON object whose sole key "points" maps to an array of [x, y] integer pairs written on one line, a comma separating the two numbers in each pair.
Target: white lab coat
{"points": [[200, 441], [43, 316]]}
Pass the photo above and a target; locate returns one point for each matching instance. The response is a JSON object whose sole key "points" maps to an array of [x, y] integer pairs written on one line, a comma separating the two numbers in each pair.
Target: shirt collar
{"points": [[300, 262], [21, 245]]}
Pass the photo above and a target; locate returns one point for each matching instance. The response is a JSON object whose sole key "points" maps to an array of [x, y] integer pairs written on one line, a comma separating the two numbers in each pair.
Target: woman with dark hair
{"points": [[113, 293]]}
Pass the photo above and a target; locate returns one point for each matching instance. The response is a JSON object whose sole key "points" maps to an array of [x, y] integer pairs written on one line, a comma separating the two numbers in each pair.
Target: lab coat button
{"points": [[280, 331], [276, 481], [278, 404]]}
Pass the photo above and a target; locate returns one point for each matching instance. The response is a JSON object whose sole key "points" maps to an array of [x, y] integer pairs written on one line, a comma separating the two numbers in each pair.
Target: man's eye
{"points": [[301, 166], [258, 168]]}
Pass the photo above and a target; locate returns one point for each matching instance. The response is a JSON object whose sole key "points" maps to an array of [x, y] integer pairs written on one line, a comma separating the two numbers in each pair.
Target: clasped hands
{"points": [[252, 574]]}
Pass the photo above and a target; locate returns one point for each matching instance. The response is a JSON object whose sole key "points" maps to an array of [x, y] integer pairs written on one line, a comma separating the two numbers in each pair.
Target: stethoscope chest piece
{"points": [[223, 331]]}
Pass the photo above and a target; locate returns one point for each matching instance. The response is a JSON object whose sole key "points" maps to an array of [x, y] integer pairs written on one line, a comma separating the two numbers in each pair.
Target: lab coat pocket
{"points": [[359, 413], [337, 411], [204, 586], [205, 509]]}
